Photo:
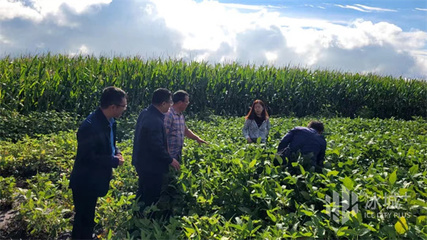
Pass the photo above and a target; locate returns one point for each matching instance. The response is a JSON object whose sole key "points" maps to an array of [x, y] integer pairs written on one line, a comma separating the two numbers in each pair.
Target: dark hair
{"points": [[251, 114], [112, 96], [179, 96], [161, 95], [316, 125]]}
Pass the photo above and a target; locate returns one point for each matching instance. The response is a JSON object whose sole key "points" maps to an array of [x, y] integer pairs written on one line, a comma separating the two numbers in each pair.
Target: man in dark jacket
{"points": [[308, 141], [97, 154], [150, 151]]}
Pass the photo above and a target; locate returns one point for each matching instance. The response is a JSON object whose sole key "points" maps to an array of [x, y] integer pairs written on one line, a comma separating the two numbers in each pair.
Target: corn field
{"points": [[73, 84]]}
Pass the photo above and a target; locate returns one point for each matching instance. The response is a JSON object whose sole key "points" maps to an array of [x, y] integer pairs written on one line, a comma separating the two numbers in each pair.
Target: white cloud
{"points": [[271, 56], [421, 9], [216, 32], [244, 7], [3, 40], [38, 10], [53, 6], [82, 50], [352, 7], [375, 9], [213, 32], [15, 9], [363, 8]]}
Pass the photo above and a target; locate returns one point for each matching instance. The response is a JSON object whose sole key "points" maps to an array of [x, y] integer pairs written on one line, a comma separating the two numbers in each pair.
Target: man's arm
{"points": [[118, 153], [86, 140], [285, 141], [156, 142], [321, 158], [136, 143], [188, 133], [157, 145]]}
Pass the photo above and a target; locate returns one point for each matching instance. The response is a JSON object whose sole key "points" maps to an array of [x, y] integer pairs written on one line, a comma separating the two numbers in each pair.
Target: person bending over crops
{"points": [[97, 154], [307, 141], [257, 124], [175, 125], [150, 150]]}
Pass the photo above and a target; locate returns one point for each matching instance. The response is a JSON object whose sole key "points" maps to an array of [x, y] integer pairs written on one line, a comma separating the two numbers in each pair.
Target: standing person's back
{"points": [[307, 141]]}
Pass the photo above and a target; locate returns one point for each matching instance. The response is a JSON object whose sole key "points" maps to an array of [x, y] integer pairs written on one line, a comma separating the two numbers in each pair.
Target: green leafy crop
{"points": [[231, 190]]}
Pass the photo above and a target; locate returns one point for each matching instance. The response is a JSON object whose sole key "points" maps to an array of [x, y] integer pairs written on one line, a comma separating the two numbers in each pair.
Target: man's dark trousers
{"points": [[84, 203], [150, 187]]}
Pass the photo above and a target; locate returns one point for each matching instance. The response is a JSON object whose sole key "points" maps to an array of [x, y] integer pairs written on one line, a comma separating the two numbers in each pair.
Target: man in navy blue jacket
{"points": [[150, 151], [97, 155], [307, 141]]}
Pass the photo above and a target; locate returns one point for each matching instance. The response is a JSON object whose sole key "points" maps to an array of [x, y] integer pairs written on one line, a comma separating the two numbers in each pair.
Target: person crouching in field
{"points": [[97, 155], [307, 141], [257, 124]]}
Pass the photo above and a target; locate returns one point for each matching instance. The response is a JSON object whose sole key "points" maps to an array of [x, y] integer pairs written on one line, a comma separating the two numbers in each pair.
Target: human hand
{"points": [[175, 164], [121, 159], [200, 141]]}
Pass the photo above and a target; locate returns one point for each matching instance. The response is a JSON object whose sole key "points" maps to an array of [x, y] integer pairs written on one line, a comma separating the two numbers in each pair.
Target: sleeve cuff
{"points": [[114, 162]]}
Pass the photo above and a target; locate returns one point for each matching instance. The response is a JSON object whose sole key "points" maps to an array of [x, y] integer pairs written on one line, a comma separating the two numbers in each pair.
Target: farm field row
{"points": [[73, 84], [230, 189]]}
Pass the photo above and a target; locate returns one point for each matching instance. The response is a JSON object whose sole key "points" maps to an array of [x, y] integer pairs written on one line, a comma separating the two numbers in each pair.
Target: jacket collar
{"points": [[156, 111], [101, 117]]}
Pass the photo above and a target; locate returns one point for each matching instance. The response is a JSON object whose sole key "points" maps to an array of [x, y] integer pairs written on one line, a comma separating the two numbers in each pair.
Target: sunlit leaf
{"points": [[401, 226], [392, 178]]}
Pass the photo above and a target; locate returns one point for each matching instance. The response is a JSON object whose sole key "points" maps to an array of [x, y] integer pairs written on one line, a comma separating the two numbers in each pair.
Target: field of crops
{"points": [[73, 84], [231, 190], [373, 185]]}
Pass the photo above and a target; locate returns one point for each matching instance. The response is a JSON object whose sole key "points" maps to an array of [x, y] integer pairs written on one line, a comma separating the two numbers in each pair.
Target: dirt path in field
{"points": [[6, 217], [6, 228], [10, 231]]}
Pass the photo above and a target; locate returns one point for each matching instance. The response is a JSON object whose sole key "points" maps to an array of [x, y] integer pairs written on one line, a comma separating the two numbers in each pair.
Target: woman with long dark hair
{"points": [[257, 124]]}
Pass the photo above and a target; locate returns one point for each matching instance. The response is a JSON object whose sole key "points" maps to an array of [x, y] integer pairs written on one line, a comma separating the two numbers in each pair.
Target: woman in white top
{"points": [[257, 124]]}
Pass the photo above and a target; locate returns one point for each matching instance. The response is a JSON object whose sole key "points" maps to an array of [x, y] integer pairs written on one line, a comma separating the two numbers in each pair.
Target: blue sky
{"points": [[376, 36], [405, 14]]}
